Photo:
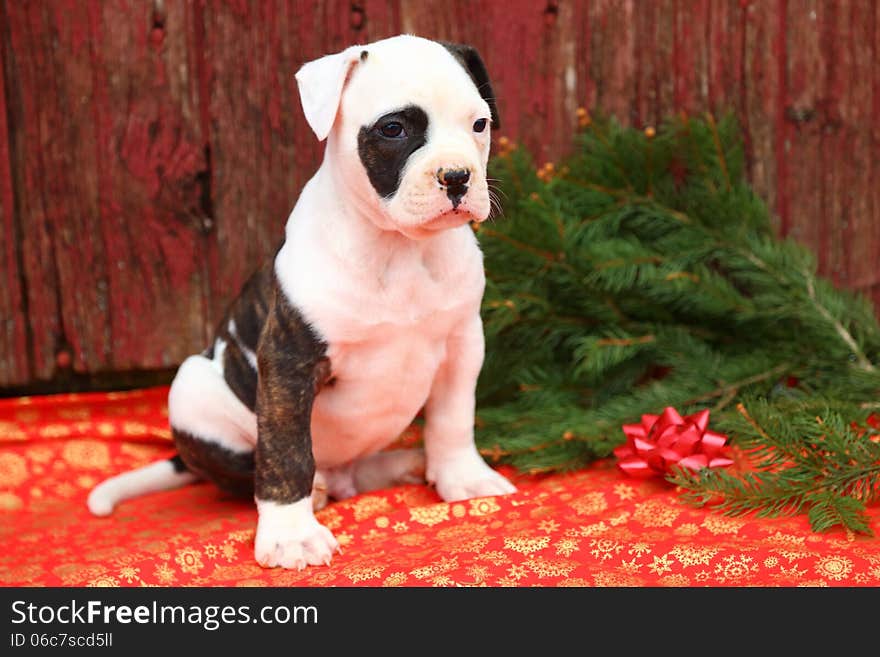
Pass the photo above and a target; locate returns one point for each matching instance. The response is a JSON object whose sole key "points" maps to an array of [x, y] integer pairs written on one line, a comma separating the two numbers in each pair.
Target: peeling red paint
{"points": [[133, 241]]}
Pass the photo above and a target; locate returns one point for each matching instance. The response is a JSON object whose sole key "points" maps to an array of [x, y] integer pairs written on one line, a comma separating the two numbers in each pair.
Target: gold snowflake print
{"points": [[525, 544], [330, 517], [441, 566], [771, 562], [835, 567], [86, 454], [411, 539], [566, 546], [228, 551], [129, 573], [630, 566], [400, 527], [791, 573], [189, 560], [661, 565], [164, 574], [371, 505], [573, 582], [604, 548], [430, 515], [548, 526], [496, 557], [687, 529], [693, 556], [483, 506], [442, 580], [787, 540], [516, 572], [241, 535], [592, 530], [104, 581], [395, 579], [544, 567], [735, 567], [362, 573], [211, 551], [624, 491], [722, 525], [655, 513], [479, 573], [674, 580], [612, 579], [589, 504], [639, 549]]}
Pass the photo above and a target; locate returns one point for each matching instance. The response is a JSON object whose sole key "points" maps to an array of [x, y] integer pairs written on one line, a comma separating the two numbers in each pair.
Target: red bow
{"points": [[662, 441]]}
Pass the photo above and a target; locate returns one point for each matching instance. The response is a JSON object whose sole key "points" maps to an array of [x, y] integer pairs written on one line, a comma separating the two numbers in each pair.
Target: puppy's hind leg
{"points": [[391, 468], [374, 472], [213, 430]]}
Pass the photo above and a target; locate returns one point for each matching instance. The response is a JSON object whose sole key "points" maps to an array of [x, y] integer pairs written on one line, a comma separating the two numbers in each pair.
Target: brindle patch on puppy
{"points": [[240, 331], [232, 472], [293, 366]]}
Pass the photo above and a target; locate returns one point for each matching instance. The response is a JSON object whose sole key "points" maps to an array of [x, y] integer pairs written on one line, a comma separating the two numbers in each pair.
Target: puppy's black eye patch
{"points": [[385, 146]]}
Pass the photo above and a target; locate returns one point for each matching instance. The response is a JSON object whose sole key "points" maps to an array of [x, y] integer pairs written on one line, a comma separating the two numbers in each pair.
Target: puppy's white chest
{"points": [[386, 324], [380, 382]]}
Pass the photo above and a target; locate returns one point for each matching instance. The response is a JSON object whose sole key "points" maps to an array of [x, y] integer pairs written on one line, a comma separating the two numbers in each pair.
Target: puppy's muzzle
{"points": [[455, 181]]}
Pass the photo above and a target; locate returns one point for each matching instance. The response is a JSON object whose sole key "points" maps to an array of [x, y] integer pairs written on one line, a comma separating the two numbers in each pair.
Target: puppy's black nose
{"points": [[455, 181], [453, 177]]}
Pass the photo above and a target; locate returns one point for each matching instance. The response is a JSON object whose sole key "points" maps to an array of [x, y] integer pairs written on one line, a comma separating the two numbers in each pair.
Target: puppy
{"points": [[368, 313]]}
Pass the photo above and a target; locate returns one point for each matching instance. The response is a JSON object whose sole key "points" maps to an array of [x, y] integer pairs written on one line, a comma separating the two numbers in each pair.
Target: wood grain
{"points": [[150, 152], [106, 156]]}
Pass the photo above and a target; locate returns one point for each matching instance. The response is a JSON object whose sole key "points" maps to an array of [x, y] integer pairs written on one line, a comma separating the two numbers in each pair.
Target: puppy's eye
{"points": [[480, 125], [393, 130]]}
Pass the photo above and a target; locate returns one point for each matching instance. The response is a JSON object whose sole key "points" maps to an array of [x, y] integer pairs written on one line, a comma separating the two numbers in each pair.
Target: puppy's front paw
{"points": [[289, 536], [466, 476]]}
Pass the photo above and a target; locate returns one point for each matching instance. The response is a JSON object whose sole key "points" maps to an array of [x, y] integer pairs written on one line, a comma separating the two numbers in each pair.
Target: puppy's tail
{"points": [[161, 475]]}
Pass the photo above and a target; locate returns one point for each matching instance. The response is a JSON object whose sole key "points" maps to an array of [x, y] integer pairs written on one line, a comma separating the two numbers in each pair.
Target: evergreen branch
{"points": [[625, 342], [828, 510], [721, 159], [647, 274], [522, 246], [845, 335], [733, 388]]}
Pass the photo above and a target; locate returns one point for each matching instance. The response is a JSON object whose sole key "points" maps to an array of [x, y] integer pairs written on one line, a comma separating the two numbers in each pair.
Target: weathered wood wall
{"points": [[151, 151]]}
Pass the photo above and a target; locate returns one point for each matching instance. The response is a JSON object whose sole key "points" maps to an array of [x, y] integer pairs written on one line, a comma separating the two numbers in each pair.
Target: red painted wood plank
{"points": [[854, 219], [33, 152], [762, 114], [726, 39], [803, 124], [612, 57], [108, 184], [14, 352], [158, 148]]}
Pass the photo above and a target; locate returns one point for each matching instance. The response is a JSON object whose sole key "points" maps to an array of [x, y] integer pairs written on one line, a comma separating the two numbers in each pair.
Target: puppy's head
{"points": [[408, 122]]}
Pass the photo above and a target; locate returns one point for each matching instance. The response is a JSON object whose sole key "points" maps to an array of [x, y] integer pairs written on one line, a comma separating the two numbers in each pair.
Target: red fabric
{"points": [[595, 527]]}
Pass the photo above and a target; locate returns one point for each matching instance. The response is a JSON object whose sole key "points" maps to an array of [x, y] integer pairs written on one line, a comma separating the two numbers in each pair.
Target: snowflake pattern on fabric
{"points": [[588, 528]]}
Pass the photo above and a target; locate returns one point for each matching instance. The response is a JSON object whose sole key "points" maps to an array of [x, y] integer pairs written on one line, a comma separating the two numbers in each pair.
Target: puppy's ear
{"points": [[473, 64], [320, 85]]}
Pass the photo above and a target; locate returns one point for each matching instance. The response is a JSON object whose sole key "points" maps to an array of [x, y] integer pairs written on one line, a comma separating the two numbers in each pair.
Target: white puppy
{"points": [[368, 313]]}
